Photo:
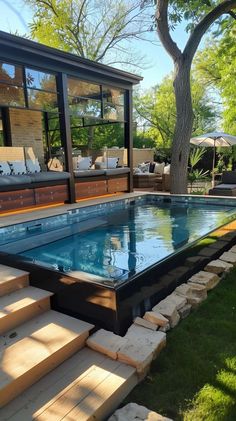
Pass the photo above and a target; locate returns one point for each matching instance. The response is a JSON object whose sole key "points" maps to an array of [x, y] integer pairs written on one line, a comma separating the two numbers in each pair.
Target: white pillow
{"points": [[84, 163], [33, 165], [111, 162], [144, 167], [167, 169], [159, 168], [137, 171], [5, 168], [17, 167]]}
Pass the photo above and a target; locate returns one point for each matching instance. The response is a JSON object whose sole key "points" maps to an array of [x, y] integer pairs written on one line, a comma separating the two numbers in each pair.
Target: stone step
{"points": [[12, 279], [37, 347], [88, 386], [22, 305]]}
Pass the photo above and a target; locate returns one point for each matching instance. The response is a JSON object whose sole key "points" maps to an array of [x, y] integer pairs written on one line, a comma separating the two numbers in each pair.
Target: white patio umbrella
{"points": [[214, 140]]}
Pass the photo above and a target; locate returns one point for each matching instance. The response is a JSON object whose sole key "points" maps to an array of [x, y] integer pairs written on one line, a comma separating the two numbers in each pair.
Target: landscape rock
{"points": [[178, 300], [233, 249], [207, 279], [156, 318], [142, 336], [184, 311], [145, 323], [229, 256], [194, 293], [218, 266], [165, 328], [168, 309], [137, 355], [106, 342], [134, 412]]}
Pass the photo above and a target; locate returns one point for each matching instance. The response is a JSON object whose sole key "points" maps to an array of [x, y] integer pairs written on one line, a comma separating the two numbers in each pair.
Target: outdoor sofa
{"points": [[19, 190], [152, 175], [227, 186]]}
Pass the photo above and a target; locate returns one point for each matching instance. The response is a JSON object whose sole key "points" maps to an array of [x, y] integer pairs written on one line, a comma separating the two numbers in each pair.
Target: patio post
{"points": [[66, 131], [129, 134]]}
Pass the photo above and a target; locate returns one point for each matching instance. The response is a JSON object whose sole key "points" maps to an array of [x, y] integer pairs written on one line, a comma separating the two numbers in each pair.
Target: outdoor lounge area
{"points": [[65, 126]]}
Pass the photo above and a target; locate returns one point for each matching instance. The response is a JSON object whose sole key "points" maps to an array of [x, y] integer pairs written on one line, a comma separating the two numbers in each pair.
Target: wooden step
{"points": [[12, 279], [88, 386], [37, 347], [22, 305]]}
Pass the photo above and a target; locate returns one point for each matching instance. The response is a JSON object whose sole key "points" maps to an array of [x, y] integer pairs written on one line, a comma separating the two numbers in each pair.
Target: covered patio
{"points": [[65, 126]]}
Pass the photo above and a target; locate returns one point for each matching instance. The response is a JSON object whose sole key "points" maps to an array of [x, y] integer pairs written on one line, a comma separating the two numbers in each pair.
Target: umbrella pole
{"points": [[213, 164]]}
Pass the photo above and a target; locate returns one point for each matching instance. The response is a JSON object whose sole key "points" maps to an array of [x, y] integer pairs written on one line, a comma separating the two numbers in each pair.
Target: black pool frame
{"points": [[115, 308]]}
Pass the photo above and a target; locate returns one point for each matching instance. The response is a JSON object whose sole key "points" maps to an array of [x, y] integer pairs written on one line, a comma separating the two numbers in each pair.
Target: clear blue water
{"points": [[117, 244]]}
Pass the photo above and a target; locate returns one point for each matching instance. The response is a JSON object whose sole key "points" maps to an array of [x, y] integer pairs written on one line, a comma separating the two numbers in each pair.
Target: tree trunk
{"points": [[183, 127]]}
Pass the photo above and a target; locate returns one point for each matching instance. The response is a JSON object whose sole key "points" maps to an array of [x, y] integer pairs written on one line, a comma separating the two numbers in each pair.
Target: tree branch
{"points": [[203, 26]]}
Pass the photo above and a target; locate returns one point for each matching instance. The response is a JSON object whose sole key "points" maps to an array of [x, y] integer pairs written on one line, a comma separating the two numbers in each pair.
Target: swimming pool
{"points": [[98, 257]]}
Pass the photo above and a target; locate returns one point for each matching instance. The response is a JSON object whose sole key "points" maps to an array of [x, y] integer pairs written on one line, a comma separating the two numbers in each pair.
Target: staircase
{"points": [[47, 373]]}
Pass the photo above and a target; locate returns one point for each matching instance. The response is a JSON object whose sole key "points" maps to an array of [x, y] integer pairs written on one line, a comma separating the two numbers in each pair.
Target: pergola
{"points": [[68, 90]]}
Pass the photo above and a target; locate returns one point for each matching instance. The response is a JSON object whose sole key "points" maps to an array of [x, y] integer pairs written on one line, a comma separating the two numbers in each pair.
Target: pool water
{"points": [[119, 243]]}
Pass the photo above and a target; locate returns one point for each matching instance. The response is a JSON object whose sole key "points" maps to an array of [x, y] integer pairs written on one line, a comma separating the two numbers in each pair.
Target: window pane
{"points": [[113, 112], [77, 87], [11, 95], [84, 106], [40, 80], [53, 122], [113, 95], [42, 100], [11, 74]]}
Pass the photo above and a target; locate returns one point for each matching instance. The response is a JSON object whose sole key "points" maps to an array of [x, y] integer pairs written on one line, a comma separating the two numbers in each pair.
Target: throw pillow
{"points": [[144, 167], [84, 163], [152, 167], [5, 168], [159, 168], [33, 165], [137, 171], [17, 167], [167, 169], [111, 162]]}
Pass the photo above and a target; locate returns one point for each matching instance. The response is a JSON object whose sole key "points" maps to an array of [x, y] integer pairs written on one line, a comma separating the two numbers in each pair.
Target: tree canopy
{"points": [[97, 30]]}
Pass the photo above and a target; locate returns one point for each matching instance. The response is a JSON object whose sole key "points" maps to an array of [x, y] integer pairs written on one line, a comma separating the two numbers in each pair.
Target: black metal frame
{"points": [[24, 52]]}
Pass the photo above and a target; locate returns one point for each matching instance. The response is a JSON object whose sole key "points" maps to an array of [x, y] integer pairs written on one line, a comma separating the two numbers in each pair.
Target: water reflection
{"points": [[179, 226]]}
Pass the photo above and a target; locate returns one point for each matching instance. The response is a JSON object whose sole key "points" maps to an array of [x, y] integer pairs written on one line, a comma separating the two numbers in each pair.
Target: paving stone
{"points": [[218, 266], [208, 252], [145, 323], [142, 336], [106, 342], [207, 279], [156, 318], [185, 311], [233, 249], [228, 256], [177, 300], [195, 260], [133, 412], [219, 244], [169, 310]]}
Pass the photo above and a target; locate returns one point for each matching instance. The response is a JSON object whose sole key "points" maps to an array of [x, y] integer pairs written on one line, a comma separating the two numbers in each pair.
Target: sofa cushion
{"points": [[84, 163], [49, 176], [88, 173], [225, 186], [144, 168], [229, 177], [5, 168], [17, 167], [14, 180], [159, 168], [32, 165], [166, 169], [116, 171]]}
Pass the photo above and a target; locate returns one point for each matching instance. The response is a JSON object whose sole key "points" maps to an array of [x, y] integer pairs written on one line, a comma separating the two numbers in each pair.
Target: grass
{"points": [[194, 377]]}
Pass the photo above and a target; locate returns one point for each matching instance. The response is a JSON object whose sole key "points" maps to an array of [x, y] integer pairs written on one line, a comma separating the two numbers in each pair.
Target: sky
{"points": [[15, 16]]}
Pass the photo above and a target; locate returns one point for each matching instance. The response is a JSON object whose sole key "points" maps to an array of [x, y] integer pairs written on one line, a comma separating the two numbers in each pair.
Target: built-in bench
{"points": [[98, 182], [26, 190]]}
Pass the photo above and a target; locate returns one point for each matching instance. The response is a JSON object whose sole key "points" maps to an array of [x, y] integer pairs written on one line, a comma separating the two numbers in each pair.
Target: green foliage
{"points": [[216, 67], [156, 109], [195, 156]]}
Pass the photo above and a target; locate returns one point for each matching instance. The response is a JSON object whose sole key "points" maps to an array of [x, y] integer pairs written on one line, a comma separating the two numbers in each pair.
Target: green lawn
{"points": [[194, 377]]}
